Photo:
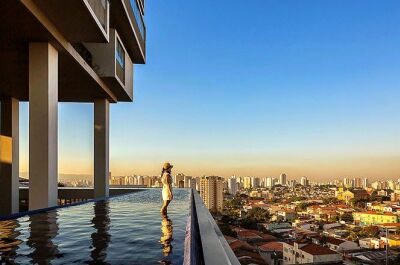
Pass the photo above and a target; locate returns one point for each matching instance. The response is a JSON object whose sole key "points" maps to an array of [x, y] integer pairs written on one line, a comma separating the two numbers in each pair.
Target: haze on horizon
{"points": [[302, 87]]}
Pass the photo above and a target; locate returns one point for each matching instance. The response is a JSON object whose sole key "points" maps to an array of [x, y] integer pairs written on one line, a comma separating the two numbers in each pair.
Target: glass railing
{"points": [[99, 8], [139, 18]]}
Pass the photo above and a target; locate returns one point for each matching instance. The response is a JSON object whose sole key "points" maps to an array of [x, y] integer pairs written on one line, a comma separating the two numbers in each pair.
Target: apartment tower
{"points": [[211, 191], [232, 185], [282, 179]]}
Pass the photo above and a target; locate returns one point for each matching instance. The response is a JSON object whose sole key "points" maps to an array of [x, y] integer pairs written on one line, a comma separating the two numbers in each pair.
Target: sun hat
{"points": [[167, 166]]}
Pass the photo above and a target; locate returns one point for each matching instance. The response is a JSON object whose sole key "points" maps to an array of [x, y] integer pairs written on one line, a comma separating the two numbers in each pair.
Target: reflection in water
{"points": [[101, 237], [44, 228], [8, 241], [123, 230], [166, 235]]}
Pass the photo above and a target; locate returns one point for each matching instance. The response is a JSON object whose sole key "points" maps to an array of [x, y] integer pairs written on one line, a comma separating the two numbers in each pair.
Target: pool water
{"points": [[128, 229]]}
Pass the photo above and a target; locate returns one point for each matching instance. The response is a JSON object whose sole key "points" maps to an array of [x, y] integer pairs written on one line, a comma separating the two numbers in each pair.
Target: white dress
{"points": [[166, 180]]}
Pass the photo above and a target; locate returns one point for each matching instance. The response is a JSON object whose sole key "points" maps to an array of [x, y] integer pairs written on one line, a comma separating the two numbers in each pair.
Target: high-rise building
{"points": [[178, 178], [186, 180], [255, 182], [292, 183], [270, 182], [211, 191], [232, 185], [346, 182], [357, 183], [247, 182], [140, 180], [304, 181], [391, 184], [282, 179], [193, 183], [181, 184], [376, 185], [384, 184]]}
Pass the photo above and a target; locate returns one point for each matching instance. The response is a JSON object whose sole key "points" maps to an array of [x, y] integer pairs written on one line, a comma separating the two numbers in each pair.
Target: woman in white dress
{"points": [[166, 180]]}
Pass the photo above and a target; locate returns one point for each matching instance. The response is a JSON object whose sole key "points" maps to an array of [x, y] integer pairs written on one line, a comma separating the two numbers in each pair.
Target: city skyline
{"points": [[276, 178], [259, 96]]}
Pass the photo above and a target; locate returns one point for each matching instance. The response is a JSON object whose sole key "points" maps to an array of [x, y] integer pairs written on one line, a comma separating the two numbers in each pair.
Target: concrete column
{"points": [[101, 147], [43, 125], [9, 167]]}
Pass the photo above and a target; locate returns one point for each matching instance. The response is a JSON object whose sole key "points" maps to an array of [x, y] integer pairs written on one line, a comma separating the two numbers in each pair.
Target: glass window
{"points": [[138, 17], [120, 55], [120, 65]]}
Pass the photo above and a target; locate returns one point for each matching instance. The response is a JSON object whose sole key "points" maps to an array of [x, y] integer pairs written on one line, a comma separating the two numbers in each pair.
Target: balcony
{"points": [[119, 230], [127, 17], [78, 20], [113, 64]]}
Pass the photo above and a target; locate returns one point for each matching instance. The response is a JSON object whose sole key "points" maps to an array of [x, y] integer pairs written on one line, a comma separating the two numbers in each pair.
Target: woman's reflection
{"points": [[44, 228], [166, 235], [101, 237], [9, 241]]}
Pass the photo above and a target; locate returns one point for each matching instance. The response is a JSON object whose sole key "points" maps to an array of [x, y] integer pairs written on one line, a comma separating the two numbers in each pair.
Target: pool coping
{"points": [[204, 242]]}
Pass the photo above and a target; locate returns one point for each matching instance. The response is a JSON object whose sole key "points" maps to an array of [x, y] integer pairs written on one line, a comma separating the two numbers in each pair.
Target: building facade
{"points": [[308, 253], [282, 179], [211, 191], [374, 218], [232, 185]]}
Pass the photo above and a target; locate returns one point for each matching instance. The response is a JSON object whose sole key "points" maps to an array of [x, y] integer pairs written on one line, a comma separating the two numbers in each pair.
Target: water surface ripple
{"points": [[122, 230]]}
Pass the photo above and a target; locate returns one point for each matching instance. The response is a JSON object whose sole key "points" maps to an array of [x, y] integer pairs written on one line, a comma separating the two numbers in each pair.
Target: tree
{"points": [[373, 195], [347, 217], [371, 231], [225, 219], [302, 206], [258, 214], [226, 230], [248, 223], [330, 200]]}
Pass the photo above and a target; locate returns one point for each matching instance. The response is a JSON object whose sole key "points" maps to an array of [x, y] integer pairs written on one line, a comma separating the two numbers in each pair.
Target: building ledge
{"points": [[205, 244]]}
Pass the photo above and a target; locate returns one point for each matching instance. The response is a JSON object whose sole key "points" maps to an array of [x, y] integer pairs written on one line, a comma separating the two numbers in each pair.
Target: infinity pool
{"points": [[122, 230]]}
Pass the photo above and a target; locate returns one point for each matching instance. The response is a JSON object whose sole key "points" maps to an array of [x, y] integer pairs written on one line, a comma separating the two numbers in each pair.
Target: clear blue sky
{"points": [[255, 88]]}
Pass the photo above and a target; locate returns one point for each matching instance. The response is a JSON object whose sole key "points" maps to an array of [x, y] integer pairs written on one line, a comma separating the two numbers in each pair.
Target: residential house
{"points": [[371, 243], [340, 245], [287, 214], [374, 218], [299, 252], [272, 253]]}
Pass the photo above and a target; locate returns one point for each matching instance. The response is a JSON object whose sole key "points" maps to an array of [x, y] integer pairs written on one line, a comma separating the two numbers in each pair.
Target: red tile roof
{"points": [[272, 246], [268, 237], [317, 250], [239, 244], [334, 241], [230, 239], [236, 244], [247, 234]]}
